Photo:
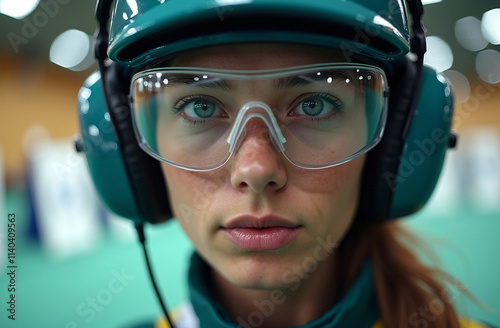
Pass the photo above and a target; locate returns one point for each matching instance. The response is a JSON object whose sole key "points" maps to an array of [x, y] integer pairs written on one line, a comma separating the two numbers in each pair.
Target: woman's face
{"points": [[260, 221]]}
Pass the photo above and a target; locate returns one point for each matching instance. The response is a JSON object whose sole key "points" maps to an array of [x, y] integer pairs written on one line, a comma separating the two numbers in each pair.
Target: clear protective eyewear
{"points": [[317, 116]]}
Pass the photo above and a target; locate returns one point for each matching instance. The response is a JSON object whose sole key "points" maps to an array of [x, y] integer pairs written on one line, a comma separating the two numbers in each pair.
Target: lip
{"points": [[260, 233]]}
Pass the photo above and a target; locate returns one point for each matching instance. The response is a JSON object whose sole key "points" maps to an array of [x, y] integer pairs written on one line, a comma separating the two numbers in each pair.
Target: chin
{"points": [[262, 271], [255, 281]]}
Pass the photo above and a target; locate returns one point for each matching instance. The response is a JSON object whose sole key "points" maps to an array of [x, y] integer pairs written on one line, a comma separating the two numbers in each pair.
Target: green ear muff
{"points": [[98, 142], [429, 136]]}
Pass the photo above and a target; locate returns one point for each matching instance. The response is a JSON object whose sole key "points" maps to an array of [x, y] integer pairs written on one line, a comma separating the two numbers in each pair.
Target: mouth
{"points": [[260, 233]]}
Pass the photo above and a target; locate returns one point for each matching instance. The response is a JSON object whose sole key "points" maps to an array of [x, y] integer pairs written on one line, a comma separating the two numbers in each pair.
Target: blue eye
{"points": [[203, 108], [318, 105], [313, 106], [197, 108]]}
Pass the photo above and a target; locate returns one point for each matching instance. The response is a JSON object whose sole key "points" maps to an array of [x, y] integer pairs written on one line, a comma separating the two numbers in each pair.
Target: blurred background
{"points": [[79, 266]]}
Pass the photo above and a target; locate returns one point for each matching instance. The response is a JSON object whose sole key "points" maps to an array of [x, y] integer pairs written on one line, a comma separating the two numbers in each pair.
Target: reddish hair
{"points": [[403, 285]]}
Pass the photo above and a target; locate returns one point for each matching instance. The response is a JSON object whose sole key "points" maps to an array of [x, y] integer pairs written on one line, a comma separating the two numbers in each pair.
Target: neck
{"points": [[280, 307]]}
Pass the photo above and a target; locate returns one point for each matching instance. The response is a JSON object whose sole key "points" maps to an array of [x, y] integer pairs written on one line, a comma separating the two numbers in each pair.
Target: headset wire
{"points": [[142, 238]]}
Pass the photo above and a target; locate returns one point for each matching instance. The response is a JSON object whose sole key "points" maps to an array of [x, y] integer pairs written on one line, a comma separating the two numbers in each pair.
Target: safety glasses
{"points": [[317, 116]]}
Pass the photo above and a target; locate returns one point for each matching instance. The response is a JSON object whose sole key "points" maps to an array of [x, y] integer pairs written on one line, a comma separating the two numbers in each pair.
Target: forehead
{"points": [[256, 56]]}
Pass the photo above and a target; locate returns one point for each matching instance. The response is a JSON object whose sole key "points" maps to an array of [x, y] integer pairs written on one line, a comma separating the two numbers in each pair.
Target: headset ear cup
{"points": [[425, 145], [144, 172], [121, 177], [100, 146], [383, 160]]}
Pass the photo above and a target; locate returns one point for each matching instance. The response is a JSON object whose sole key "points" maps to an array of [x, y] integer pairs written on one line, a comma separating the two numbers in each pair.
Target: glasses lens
{"points": [[328, 114]]}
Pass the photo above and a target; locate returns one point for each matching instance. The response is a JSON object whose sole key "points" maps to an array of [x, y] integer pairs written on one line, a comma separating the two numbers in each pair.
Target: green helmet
{"points": [[143, 31]]}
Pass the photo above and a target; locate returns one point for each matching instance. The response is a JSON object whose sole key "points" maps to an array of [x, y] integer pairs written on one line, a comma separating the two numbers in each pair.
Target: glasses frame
{"points": [[253, 75]]}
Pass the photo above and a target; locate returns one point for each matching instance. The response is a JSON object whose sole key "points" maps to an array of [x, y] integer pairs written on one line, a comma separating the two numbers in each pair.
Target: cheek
{"points": [[333, 182], [332, 194], [185, 200], [192, 194]]}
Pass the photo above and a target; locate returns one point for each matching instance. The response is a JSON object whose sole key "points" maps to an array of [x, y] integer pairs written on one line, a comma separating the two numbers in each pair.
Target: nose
{"points": [[257, 165]]}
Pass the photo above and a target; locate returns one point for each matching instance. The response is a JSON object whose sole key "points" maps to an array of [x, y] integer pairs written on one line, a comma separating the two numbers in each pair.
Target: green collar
{"points": [[358, 308]]}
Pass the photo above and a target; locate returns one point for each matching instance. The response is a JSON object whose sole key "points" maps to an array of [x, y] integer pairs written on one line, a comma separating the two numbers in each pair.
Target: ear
{"points": [[104, 156], [429, 136]]}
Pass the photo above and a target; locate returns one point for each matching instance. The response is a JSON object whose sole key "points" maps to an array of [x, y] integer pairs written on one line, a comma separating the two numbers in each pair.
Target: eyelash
{"points": [[336, 103], [181, 104]]}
